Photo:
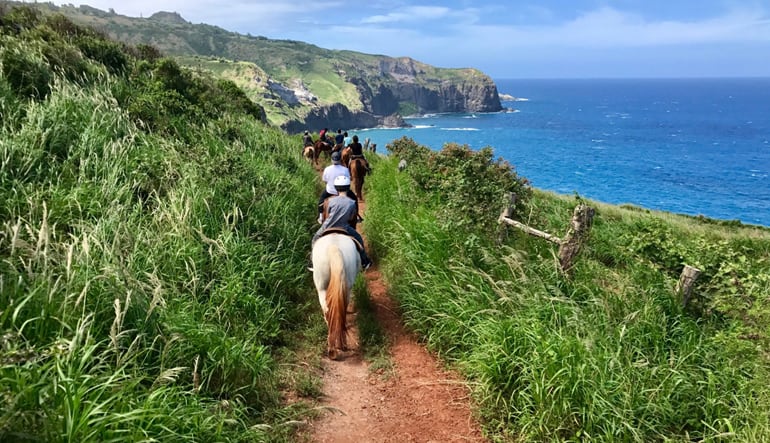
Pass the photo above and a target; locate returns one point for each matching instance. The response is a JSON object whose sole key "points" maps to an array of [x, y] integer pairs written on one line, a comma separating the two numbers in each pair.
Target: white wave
{"points": [[598, 140], [470, 116], [379, 128], [423, 126], [459, 129], [520, 99]]}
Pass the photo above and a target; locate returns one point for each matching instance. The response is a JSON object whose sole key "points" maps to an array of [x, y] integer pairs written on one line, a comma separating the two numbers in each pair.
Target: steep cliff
{"points": [[339, 116], [392, 87], [429, 89]]}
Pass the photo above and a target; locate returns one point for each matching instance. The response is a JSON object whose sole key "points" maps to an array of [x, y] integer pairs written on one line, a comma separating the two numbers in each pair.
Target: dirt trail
{"points": [[419, 402]]}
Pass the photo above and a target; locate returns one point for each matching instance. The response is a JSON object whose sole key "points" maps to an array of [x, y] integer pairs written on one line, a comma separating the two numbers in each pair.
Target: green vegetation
{"points": [[152, 248], [607, 355], [153, 238]]}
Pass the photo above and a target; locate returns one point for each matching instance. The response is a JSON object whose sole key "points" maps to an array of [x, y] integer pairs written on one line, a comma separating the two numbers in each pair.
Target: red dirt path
{"points": [[419, 402]]}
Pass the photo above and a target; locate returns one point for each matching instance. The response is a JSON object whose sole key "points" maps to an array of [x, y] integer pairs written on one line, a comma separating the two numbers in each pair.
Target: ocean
{"points": [[690, 146]]}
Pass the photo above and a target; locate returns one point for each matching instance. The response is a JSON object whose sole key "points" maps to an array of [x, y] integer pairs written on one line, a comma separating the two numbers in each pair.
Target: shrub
{"points": [[474, 187], [25, 69]]}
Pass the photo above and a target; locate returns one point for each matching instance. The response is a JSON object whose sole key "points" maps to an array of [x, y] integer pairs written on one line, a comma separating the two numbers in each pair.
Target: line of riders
{"points": [[338, 204], [350, 148]]}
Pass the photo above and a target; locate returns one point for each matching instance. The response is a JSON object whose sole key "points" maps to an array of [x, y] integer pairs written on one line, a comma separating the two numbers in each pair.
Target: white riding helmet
{"points": [[342, 180]]}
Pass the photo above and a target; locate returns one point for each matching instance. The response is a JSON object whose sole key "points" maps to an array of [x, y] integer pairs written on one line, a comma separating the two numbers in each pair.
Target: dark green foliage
{"points": [[93, 45], [147, 52], [65, 58], [26, 71], [108, 53], [14, 20], [232, 96], [162, 96], [473, 186]]}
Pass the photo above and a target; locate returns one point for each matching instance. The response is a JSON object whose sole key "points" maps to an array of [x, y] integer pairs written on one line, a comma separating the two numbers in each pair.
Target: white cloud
{"points": [[609, 27], [410, 14]]}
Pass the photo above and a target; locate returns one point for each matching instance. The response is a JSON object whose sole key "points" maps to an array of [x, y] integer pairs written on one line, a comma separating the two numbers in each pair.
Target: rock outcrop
{"points": [[339, 116], [412, 82]]}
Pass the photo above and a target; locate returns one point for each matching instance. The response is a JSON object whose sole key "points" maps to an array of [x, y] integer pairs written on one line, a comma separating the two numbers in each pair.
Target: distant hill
{"points": [[302, 85]]}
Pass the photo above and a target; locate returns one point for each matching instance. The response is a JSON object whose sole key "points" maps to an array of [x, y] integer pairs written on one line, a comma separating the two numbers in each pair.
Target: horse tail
{"points": [[336, 301]]}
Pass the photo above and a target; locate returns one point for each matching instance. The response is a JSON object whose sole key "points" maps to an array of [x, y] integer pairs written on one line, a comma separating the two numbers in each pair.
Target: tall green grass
{"points": [[150, 275], [608, 355]]}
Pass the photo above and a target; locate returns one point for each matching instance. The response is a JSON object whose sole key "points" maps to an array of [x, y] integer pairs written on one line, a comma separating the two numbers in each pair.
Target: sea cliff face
{"points": [[339, 116], [392, 87], [403, 83]]}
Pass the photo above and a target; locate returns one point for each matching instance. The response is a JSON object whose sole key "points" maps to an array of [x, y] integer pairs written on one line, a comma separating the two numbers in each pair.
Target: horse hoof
{"points": [[333, 354]]}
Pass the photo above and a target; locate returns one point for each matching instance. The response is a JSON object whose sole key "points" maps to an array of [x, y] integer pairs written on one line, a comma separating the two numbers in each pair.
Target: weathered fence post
{"points": [[502, 233], [580, 227], [685, 284], [511, 204], [569, 247]]}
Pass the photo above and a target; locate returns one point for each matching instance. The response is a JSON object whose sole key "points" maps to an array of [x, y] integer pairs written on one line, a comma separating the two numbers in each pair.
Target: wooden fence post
{"points": [[502, 232], [511, 205], [686, 282], [580, 227], [569, 247]]}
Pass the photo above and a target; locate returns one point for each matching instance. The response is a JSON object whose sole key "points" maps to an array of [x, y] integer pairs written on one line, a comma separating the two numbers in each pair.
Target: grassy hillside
{"points": [[609, 354], [153, 239], [324, 72]]}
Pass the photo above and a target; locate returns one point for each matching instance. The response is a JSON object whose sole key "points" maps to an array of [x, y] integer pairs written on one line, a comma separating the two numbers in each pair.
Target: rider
{"points": [[357, 151], [330, 173], [307, 139], [342, 211], [324, 137], [339, 140]]}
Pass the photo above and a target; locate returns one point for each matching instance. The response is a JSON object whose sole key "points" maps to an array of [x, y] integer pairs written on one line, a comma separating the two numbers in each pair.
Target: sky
{"points": [[510, 38]]}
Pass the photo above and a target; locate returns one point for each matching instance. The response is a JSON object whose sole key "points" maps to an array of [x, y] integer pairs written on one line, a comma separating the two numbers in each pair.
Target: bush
{"points": [[474, 187], [25, 69]]}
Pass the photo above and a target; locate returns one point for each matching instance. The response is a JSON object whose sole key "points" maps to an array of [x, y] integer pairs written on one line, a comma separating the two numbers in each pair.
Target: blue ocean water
{"points": [[692, 146]]}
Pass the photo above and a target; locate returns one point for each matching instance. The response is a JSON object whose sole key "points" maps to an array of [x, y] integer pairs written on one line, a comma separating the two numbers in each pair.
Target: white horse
{"points": [[335, 267], [309, 153]]}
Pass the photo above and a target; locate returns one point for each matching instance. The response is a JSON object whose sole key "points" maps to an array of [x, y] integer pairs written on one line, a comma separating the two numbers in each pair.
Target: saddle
{"points": [[335, 230]]}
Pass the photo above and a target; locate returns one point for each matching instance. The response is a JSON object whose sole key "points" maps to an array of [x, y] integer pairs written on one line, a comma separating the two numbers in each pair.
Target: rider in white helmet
{"points": [[341, 213]]}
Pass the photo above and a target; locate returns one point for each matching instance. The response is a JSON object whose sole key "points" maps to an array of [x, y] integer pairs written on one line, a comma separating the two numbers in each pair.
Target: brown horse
{"points": [[357, 173], [321, 146], [346, 155]]}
